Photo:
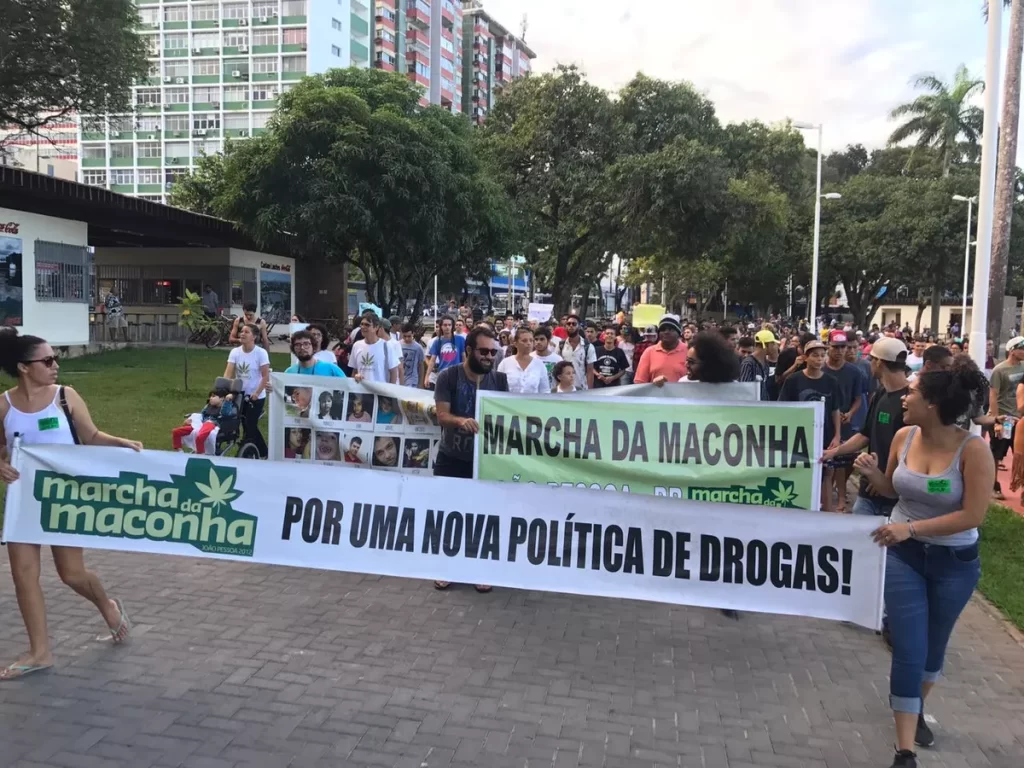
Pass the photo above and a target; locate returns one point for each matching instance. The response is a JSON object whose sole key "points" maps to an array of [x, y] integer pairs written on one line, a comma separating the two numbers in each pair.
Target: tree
{"points": [[59, 58], [703, 276], [938, 119], [1006, 173], [550, 142], [354, 171]]}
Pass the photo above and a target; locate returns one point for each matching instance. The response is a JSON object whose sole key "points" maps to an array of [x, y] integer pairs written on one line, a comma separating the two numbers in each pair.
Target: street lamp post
{"points": [[967, 258], [813, 305]]}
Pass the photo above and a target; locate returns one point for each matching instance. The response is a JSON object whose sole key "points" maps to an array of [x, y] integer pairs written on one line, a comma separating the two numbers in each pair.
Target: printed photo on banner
{"points": [[386, 451], [421, 417], [360, 411], [357, 449], [330, 406], [297, 401], [389, 415], [297, 442], [328, 445], [418, 453]]}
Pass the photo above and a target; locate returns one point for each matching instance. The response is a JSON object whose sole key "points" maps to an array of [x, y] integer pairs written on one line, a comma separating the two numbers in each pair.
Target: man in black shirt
{"points": [[812, 384], [755, 366], [884, 420], [849, 380]]}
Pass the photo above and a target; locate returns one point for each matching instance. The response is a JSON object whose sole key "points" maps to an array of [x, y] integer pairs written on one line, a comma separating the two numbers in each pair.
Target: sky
{"points": [[844, 64]]}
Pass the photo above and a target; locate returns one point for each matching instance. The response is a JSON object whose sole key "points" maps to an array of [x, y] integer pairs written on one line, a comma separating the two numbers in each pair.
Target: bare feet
{"points": [[26, 665]]}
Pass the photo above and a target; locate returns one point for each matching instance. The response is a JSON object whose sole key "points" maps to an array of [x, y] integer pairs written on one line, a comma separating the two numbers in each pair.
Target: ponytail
{"points": [[15, 349], [955, 389]]}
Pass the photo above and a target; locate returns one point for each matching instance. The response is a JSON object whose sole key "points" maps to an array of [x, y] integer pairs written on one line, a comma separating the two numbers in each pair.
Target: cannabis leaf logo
{"points": [[780, 491], [368, 362], [242, 370], [218, 492]]}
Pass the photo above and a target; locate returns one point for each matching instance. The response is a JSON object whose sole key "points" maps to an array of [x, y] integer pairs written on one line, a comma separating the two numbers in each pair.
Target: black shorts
{"points": [[840, 462]]}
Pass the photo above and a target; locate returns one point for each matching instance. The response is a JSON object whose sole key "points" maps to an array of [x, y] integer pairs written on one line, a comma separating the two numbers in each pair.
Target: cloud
{"points": [[844, 64]]}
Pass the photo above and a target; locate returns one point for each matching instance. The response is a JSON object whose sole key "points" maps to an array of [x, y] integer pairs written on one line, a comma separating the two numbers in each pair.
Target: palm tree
{"points": [[1006, 172], [938, 119]]}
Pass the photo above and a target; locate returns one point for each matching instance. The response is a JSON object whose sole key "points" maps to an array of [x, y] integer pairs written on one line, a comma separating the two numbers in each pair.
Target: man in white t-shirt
{"points": [[373, 358], [545, 351], [580, 352], [251, 364], [915, 360]]}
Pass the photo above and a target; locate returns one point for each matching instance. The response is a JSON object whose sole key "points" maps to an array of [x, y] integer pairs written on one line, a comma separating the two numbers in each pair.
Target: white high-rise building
{"points": [[217, 68]]}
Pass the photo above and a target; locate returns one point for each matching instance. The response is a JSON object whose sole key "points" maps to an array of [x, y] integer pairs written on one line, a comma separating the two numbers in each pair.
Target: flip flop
{"points": [[482, 588], [124, 629], [442, 585], [14, 671]]}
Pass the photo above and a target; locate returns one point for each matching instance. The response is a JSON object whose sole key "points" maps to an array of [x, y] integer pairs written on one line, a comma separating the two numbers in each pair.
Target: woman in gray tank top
{"points": [[943, 478]]}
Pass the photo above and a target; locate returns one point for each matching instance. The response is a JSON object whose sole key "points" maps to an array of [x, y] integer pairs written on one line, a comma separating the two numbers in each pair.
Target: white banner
{"points": [[540, 312], [585, 542], [339, 421]]}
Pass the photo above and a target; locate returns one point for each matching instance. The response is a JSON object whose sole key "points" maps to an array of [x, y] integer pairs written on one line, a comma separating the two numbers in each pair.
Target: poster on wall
{"points": [[275, 293], [12, 304]]}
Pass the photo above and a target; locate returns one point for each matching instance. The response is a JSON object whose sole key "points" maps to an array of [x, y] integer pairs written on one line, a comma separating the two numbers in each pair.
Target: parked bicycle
{"points": [[216, 334]]}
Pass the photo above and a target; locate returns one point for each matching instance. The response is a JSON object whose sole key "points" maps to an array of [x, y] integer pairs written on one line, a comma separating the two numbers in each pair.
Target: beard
{"points": [[476, 366], [303, 357]]}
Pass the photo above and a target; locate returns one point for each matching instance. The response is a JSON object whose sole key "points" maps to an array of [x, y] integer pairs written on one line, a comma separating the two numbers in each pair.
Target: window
{"points": [[122, 125], [385, 35], [236, 39], [175, 13], [206, 94], [162, 291], [149, 175], [243, 284], [447, 44], [122, 150], [208, 147], [447, 84], [260, 119], [176, 96], [149, 15], [152, 44], [176, 149], [262, 92], [176, 41], [293, 64], [420, 69], [205, 122], [236, 10], [293, 8], [264, 64], [173, 69], [236, 122], [262, 8], [174, 123], [94, 125], [149, 149], [149, 123], [94, 152], [122, 176], [387, 13], [285, 87], [147, 97], [294, 36], [204, 12], [94, 178], [447, 66], [206, 40], [336, 24], [335, 50], [206, 67], [62, 271], [386, 58], [235, 93], [264, 36]]}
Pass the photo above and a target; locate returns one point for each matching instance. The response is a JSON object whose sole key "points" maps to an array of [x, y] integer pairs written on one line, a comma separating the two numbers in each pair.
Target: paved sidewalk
{"points": [[247, 665]]}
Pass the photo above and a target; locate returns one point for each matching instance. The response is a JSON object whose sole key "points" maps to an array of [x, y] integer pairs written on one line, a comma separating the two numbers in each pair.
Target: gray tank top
{"points": [[922, 497]]}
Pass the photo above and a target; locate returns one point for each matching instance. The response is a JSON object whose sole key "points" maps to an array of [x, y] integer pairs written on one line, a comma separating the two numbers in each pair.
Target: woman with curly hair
{"points": [[942, 476], [711, 359]]}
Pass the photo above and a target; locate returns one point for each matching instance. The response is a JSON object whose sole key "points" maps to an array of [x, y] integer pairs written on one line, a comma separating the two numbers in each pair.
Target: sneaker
{"points": [[904, 758], [924, 736]]}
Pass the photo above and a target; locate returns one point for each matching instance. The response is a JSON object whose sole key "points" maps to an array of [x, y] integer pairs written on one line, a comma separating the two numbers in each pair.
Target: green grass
{"points": [[140, 393], [1002, 562]]}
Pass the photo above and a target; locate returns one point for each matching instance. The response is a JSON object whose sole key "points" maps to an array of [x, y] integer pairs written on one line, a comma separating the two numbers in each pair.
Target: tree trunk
{"points": [[917, 320], [561, 291], [1006, 169], [936, 306]]}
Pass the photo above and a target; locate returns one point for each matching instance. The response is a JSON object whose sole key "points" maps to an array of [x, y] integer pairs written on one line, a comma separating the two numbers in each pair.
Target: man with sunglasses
{"points": [[580, 352]]}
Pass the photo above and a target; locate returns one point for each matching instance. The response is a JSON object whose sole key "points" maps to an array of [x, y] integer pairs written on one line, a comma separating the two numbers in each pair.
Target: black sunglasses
{"points": [[486, 352], [49, 361]]}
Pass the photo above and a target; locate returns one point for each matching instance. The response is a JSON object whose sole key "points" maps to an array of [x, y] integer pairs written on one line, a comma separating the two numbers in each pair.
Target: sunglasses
{"points": [[49, 361], [487, 352]]}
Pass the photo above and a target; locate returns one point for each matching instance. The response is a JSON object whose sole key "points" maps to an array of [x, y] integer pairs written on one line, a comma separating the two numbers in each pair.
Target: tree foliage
{"points": [[59, 58], [355, 171]]}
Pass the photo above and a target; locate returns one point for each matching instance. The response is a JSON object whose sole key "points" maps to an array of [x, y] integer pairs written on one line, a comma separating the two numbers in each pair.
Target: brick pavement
{"points": [[247, 665]]}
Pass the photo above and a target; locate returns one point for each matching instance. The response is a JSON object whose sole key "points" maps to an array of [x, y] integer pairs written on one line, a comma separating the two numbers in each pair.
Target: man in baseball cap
{"points": [[666, 360], [851, 387], [755, 367]]}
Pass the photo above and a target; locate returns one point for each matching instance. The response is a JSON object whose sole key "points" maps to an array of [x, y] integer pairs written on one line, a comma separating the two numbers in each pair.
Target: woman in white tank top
{"points": [[33, 410]]}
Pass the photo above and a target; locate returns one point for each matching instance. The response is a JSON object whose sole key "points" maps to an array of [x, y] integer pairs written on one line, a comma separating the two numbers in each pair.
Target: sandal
{"points": [[14, 671], [442, 585], [124, 629], [482, 588]]}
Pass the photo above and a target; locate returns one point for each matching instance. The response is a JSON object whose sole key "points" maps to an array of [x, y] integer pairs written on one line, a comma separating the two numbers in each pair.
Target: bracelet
{"points": [[913, 533]]}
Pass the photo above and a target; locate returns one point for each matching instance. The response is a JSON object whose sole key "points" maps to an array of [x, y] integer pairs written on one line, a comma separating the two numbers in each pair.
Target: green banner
{"points": [[758, 454]]}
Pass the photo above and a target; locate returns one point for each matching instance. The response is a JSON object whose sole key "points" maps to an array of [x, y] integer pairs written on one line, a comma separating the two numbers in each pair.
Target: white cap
{"points": [[1014, 343]]}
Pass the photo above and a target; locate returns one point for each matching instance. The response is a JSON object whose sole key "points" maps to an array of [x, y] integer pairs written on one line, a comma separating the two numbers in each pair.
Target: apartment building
{"points": [[493, 56], [52, 150], [422, 38], [217, 68]]}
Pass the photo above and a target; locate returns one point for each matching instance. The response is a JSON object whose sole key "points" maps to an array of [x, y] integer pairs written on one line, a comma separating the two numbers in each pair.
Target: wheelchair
{"points": [[229, 441]]}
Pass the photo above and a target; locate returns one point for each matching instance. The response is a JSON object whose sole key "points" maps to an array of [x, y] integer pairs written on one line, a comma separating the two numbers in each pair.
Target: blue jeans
{"points": [[927, 586], [879, 506]]}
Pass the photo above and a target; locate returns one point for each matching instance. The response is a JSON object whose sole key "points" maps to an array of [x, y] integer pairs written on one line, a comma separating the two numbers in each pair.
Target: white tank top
{"points": [[46, 427]]}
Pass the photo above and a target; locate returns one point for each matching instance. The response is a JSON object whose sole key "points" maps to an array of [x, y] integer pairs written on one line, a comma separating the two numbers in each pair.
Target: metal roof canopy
{"points": [[118, 220]]}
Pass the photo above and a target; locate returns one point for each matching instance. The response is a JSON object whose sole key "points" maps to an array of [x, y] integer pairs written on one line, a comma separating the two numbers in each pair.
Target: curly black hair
{"points": [[954, 389], [717, 362]]}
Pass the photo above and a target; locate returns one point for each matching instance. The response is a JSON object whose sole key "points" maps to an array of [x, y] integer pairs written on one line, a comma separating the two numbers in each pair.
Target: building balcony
{"points": [[360, 27], [94, 162]]}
